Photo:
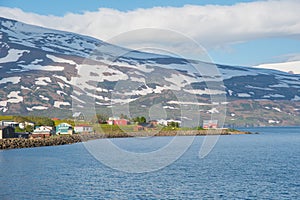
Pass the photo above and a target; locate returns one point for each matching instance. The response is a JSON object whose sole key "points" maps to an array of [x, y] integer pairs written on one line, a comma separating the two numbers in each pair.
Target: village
{"points": [[42, 127]]}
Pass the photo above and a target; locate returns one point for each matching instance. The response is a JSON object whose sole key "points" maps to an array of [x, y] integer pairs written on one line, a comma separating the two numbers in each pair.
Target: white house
{"points": [[165, 122], [83, 129], [210, 124], [9, 123], [78, 116], [42, 131], [22, 125]]}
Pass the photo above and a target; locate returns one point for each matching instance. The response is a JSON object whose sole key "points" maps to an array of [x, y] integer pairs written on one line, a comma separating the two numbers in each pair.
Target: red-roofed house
{"points": [[117, 121]]}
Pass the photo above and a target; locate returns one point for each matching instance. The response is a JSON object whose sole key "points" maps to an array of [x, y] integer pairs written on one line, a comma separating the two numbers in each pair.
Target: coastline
{"points": [[17, 143]]}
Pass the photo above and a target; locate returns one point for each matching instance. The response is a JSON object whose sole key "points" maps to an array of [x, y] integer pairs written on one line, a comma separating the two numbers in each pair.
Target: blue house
{"points": [[64, 129]]}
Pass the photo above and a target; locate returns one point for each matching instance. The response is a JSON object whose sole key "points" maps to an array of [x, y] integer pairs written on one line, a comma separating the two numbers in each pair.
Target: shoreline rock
{"points": [[16, 143]]}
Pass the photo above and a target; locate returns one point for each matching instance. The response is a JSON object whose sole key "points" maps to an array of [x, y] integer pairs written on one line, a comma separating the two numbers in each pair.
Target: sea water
{"points": [[258, 166]]}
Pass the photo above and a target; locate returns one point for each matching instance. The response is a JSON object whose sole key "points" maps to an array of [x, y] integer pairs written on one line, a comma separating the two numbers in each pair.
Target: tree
{"points": [[140, 120], [29, 128], [100, 118], [143, 119], [174, 124], [122, 116], [41, 121], [19, 119]]}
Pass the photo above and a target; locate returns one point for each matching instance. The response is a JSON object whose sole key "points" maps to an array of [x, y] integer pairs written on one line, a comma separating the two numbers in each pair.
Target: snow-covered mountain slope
{"points": [[43, 70], [290, 67]]}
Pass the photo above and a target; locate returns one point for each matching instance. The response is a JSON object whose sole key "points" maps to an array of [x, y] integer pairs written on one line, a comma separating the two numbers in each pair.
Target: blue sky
{"points": [[256, 50]]}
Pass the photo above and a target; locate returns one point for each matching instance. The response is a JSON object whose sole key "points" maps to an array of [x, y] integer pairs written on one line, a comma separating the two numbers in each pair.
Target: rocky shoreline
{"points": [[15, 143]]}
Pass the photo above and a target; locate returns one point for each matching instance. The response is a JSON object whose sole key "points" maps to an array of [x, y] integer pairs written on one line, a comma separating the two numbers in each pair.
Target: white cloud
{"points": [[289, 57], [211, 25]]}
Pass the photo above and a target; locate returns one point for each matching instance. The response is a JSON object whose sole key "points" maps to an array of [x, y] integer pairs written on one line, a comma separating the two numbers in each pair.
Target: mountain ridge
{"points": [[40, 71]]}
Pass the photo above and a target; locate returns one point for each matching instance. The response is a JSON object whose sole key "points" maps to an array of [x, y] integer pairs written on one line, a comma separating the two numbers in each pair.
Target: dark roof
{"points": [[22, 133], [3, 127], [148, 125], [77, 114]]}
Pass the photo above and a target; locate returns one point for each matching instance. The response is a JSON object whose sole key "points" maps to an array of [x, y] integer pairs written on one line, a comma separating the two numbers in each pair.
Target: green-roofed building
{"points": [[64, 129]]}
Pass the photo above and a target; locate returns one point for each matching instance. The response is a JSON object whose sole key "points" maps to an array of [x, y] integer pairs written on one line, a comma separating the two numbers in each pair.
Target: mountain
{"points": [[50, 72]]}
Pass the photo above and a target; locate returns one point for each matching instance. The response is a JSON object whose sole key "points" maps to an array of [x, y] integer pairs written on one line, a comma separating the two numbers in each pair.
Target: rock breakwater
{"points": [[14, 143]]}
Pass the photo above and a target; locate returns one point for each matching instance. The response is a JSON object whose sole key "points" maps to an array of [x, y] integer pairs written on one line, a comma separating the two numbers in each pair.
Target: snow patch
{"points": [[258, 88], [136, 79], [271, 121], [13, 55], [277, 109], [61, 93], [136, 66], [243, 95], [106, 73], [3, 103], [296, 98], [188, 103], [179, 81], [13, 80], [61, 60], [37, 108], [213, 110], [77, 99], [205, 92], [292, 66], [13, 97], [77, 92], [285, 85], [36, 61], [57, 104], [42, 81], [40, 67], [24, 88], [274, 96], [170, 107], [61, 85], [44, 98]]}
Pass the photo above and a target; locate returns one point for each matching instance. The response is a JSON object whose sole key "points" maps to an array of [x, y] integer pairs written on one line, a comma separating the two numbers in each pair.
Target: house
{"points": [[207, 124], [22, 125], [117, 121], [154, 122], [144, 127], [163, 122], [55, 119], [174, 123], [9, 123], [138, 128], [42, 132], [78, 116], [83, 129], [7, 132], [168, 122], [64, 129]]}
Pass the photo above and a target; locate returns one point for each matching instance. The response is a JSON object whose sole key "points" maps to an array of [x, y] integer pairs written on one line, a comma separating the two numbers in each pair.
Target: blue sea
{"points": [[258, 166]]}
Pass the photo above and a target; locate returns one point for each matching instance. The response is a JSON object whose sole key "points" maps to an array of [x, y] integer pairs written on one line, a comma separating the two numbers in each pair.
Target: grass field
{"points": [[6, 118]]}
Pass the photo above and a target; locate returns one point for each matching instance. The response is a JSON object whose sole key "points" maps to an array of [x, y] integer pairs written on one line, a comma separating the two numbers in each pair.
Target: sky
{"points": [[244, 33]]}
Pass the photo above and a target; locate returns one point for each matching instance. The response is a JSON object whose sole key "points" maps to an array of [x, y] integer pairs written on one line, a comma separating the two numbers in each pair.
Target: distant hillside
{"points": [[45, 72]]}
